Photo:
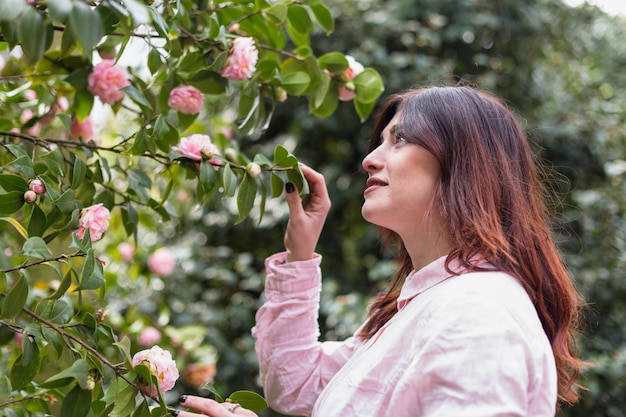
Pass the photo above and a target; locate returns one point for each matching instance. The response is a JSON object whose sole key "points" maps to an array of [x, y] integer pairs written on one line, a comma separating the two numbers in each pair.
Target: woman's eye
{"points": [[399, 138]]}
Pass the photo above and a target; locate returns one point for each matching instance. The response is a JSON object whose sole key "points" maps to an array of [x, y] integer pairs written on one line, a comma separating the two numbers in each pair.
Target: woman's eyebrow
{"points": [[392, 132]]}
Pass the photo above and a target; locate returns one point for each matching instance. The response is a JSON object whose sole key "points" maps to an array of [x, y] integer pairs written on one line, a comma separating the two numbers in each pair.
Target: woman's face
{"points": [[402, 179]]}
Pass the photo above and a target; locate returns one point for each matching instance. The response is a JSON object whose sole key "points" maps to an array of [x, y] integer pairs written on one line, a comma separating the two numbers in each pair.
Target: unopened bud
{"points": [[253, 169], [30, 196], [280, 94], [37, 186], [230, 154]]}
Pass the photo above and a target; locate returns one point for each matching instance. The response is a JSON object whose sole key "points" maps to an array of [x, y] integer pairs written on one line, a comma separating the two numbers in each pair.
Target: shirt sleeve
{"points": [[294, 365]]}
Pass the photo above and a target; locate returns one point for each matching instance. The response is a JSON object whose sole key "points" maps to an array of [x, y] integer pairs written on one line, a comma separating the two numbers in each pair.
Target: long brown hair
{"points": [[493, 199]]}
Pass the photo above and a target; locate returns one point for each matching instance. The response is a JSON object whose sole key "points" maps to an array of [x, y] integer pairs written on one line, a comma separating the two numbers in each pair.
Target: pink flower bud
{"points": [[280, 95], [253, 169], [106, 80], [30, 196], [162, 262], [126, 251], [149, 336], [242, 61], [230, 154], [37, 186], [185, 99]]}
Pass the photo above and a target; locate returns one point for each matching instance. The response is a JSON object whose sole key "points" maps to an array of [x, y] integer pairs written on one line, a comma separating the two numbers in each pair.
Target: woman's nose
{"points": [[372, 161]]}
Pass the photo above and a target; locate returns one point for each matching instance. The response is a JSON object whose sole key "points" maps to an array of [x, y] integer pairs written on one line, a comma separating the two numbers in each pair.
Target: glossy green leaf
{"points": [[334, 62], [278, 13], [324, 17], [16, 298], [369, 86], [11, 9], [299, 19], [27, 365], [78, 172], [33, 34], [248, 399], [245, 197], [10, 182], [25, 165], [67, 202], [364, 109], [296, 83], [37, 224], [56, 311], [11, 202], [77, 372], [77, 403], [16, 224], [66, 282], [92, 277], [60, 9], [86, 25], [230, 181], [36, 247], [208, 177]]}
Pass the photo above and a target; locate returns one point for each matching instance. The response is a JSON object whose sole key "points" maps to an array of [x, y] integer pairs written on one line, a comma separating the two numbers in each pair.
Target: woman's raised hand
{"points": [[306, 223], [210, 408]]}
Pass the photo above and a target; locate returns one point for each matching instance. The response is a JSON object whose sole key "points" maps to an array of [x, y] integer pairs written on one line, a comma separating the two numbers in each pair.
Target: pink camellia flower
{"points": [[149, 336], [198, 147], [37, 186], [84, 129], [354, 69], [185, 99], [161, 365], [96, 218], [25, 117], [106, 80], [162, 262], [126, 251], [242, 60]]}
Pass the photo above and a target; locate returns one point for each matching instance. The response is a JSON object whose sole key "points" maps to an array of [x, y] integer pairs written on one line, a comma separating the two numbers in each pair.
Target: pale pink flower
{"points": [[37, 186], [96, 218], [63, 104], [30, 95], [242, 60], [126, 251], [106, 80], [162, 262], [198, 147], [149, 336], [185, 99], [25, 117], [84, 129], [161, 365], [354, 69]]}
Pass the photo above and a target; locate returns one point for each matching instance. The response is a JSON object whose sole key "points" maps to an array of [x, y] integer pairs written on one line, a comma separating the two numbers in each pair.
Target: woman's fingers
{"points": [[211, 408]]}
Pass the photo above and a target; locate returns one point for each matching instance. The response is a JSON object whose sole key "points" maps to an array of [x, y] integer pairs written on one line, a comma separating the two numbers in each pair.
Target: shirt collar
{"points": [[427, 277]]}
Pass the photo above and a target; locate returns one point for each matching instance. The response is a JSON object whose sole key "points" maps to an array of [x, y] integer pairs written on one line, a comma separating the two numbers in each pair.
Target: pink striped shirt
{"points": [[469, 345]]}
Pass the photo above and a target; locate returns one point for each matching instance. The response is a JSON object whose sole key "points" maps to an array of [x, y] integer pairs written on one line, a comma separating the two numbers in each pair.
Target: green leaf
{"points": [[230, 181], [78, 173], [299, 19], [33, 34], [296, 83], [211, 388], [86, 25], [25, 165], [20, 229], [26, 366], [38, 222], [92, 277], [277, 13], [11, 202], [64, 286], [78, 372], [83, 103], [363, 109], [12, 182], [369, 86], [248, 399], [55, 162], [137, 96], [11, 9], [16, 298], [245, 197], [334, 62], [324, 17], [36, 247], [278, 184], [67, 202], [77, 403], [208, 178], [60, 9], [56, 311]]}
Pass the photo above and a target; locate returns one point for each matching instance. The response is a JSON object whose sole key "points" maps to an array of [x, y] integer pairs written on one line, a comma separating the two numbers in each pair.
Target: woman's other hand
{"points": [[210, 408], [306, 223]]}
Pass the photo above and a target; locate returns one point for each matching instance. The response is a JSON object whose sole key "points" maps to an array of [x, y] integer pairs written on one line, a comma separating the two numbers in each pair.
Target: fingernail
{"points": [[182, 399], [175, 413], [289, 187]]}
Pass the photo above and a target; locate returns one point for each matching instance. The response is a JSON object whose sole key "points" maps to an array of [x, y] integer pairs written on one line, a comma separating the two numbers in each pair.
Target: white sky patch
{"points": [[614, 7]]}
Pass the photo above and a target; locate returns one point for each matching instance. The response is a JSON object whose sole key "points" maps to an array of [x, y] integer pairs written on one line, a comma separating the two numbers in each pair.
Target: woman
{"points": [[480, 317]]}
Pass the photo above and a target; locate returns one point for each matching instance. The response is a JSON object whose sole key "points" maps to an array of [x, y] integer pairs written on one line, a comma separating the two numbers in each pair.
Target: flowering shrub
{"points": [[161, 365], [106, 80], [346, 92], [242, 60], [96, 219], [74, 304], [185, 99]]}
